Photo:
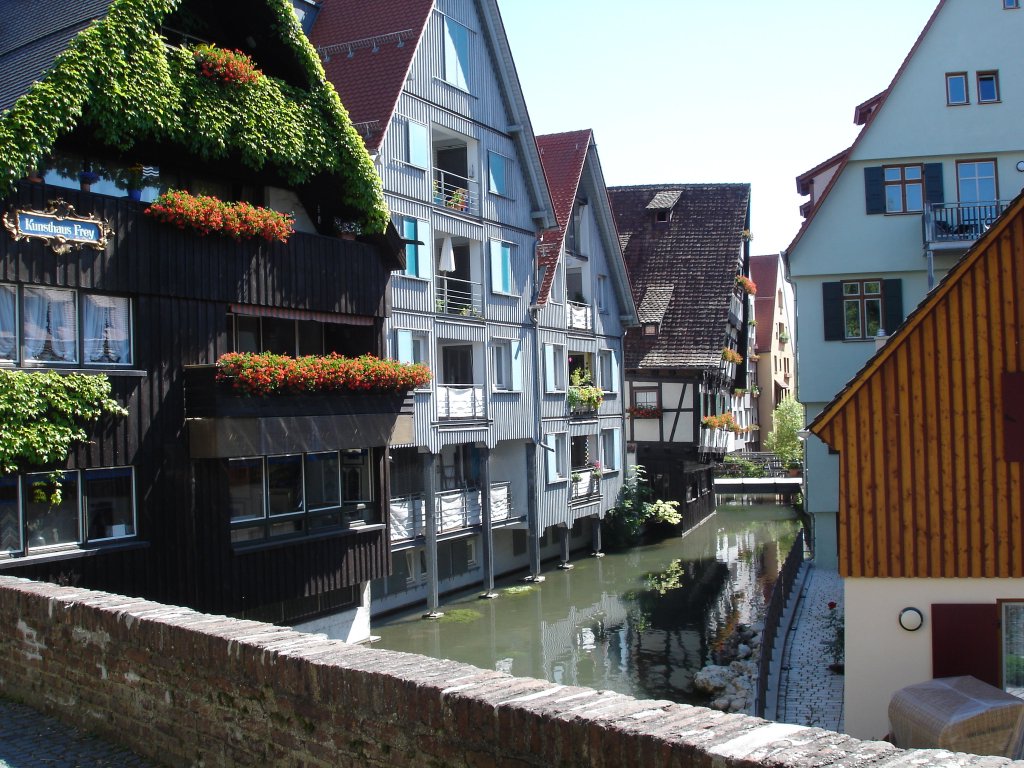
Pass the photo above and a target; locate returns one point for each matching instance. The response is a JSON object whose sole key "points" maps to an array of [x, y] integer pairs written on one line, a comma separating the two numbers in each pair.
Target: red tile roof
{"points": [[764, 271], [562, 156], [369, 83]]}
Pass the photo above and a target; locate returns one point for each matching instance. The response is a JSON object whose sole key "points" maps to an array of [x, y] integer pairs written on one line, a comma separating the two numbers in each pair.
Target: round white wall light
{"points": [[911, 619]]}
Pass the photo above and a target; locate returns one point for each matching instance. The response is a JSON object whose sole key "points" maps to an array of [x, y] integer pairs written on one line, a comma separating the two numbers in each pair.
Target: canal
{"points": [[641, 622]]}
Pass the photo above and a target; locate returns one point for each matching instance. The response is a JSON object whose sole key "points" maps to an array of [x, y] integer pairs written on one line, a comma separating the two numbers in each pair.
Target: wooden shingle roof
{"points": [[697, 251]]}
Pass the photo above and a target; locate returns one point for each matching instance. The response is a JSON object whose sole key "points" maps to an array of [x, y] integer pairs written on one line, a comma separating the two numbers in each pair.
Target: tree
{"points": [[787, 420]]}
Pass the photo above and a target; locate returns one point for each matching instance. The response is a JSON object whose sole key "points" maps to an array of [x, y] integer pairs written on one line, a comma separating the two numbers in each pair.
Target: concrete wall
{"points": [[872, 612], [186, 688]]}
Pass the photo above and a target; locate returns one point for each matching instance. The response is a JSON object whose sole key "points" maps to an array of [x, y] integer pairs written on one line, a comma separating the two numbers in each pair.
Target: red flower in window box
{"points": [[225, 66], [208, 214]]}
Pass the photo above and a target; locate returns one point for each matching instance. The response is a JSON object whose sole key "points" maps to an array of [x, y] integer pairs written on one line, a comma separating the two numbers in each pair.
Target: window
{"points": [[497, 176], [976, 181], [904, 189], [508, 366], [501, 267], [1009, 5], [650, 329], [956, 89], [296, 494], [602, 293], [411, 346], [648, 398], [862, 308], [418, 246], [64, 326], [97, 505], [306, 12], [456, 54], [554, 368], [556, 457], [418, 145], [608, 370], [611, 449], [988, 87], [1012, 629]]}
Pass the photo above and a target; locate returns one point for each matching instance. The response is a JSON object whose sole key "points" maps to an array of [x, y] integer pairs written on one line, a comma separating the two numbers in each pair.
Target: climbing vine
{"points": [[42, 414], [119, 78]]}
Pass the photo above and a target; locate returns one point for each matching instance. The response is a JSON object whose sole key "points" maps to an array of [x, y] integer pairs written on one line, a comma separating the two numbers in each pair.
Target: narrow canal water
{"points": [[641, 622]]}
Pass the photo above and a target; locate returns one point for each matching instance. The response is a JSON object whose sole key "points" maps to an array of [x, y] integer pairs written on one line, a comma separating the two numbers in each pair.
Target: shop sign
{"points": [[60, 226]]}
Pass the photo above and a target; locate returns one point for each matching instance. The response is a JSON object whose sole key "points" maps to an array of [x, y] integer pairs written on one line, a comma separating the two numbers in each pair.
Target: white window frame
{"points": [[417, 144], [498, 186], [554, 368], [613, 436], [412, 347], [608, 370], [602, 294], [556, 457], [508, 365], [502, 278]]}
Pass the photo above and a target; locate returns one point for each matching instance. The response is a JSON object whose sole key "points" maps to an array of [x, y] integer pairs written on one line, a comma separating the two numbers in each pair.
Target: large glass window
{"points": [[48, 523], [456, 54], [51, 326], [862, 308], [416, 233], [106, 334], [976, 181], [108, 500], [904, 190]]}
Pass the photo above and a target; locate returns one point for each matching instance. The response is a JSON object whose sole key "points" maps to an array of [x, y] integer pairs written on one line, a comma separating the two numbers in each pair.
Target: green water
{"points": [[641, 622]]}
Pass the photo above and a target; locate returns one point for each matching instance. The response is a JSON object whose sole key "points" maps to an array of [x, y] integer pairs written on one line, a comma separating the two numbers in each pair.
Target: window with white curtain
{"points": [[50, 325], [105, 329], [8, 323]]}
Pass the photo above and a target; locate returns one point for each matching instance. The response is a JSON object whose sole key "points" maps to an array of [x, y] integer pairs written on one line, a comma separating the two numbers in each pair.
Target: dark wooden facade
{"points": [[931, 431], [182, 287]]}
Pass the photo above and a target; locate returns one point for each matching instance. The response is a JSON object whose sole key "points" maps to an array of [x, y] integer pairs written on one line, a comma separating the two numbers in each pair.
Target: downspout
{"points": [[532, 484]]}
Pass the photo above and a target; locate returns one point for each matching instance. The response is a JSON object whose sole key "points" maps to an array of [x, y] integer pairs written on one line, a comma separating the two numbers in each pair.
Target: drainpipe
{"points": [[533, 452], [430, 514], [487, 532]]}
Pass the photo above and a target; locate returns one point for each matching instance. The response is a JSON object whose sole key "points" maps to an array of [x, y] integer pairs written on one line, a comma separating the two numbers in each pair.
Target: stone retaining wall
{"points": [[185, 688]]}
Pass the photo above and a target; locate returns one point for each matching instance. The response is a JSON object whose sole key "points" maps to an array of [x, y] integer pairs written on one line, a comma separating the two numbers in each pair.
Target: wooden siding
{"points": [[926, 489]]}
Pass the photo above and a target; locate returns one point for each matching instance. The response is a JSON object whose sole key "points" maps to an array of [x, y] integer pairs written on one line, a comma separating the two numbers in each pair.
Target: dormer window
{"points": [[651, 329], [661, 217]]}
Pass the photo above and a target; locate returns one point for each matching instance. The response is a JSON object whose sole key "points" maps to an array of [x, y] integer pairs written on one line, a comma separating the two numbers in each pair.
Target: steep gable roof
{"points": [[868, 111], [367, 49], [764, 271], [697, 252]]}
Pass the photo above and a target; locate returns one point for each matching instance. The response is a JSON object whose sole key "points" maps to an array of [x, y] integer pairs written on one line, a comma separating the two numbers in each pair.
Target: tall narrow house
{"points": [[174, 178], [687, 252], [939, 154]]}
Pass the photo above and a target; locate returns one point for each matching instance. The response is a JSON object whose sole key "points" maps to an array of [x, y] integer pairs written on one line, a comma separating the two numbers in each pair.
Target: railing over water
{"points": [[780, 595], [454, 510]]}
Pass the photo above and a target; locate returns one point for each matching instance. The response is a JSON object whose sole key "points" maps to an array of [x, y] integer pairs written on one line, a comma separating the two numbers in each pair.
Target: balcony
{"points": [[714, 440], [455, 510], [736, 310], [454, 296], [958, 225], [585, 486], [456, 193], [222, 423], [458, 401], [580, 316]]}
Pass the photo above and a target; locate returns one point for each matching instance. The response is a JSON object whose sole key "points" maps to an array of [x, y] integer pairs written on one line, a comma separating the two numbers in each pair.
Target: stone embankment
{"points": [[731, 682], [188, 689]]}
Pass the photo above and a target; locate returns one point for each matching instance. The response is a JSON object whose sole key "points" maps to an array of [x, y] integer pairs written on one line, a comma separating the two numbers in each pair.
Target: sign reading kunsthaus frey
{"points": [[60, 226]]}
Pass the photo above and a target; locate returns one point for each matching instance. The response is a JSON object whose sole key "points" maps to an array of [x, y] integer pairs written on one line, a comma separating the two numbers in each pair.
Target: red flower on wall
{"points": [[225, 66]]}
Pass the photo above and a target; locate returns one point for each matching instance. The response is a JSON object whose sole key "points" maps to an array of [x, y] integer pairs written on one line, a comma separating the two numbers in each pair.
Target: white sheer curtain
{"points": [[8, 323], [51, 327], [105, 322]]}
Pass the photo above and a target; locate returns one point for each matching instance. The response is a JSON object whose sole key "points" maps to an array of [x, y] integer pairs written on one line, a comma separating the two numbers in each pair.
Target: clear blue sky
{"points": [[711, 90]]}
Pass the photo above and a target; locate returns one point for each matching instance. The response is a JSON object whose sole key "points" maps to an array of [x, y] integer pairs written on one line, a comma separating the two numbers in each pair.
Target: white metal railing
{"points": [[501, 502], [459, 401], [586, 486], [406, 517], [454, 296], [456, 193], [960, 222], [581, 316], [714, 440], [736, 307], [457, 509]]}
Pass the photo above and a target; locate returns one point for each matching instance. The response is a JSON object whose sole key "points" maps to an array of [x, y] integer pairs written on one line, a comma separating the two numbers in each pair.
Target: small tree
{"points": [[637, 506], [787, 420]]}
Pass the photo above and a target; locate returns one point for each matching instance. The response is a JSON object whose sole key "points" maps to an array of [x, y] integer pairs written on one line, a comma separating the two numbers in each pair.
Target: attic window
{"points": [[650, 329], [662, 217], [1010, 5], [306, 11]]}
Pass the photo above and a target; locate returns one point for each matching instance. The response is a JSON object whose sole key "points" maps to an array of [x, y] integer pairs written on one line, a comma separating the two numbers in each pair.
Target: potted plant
{"points": [[87, 177], [747, 285], [347, 230]]}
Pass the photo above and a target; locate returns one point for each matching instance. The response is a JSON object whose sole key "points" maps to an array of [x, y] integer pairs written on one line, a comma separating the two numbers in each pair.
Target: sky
{"points": [[700, 91]]}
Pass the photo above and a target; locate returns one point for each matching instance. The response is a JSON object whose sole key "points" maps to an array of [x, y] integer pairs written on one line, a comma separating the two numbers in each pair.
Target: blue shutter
{"points": [[425, 252], [411, 250], [614, 354], [551, 458], [874, 189], [933, 187], [456, 54], [419, 145], [549, 368], [617, 439], [404, 343], [496, 173], [832, 311], [517, 366], [501, 267]]}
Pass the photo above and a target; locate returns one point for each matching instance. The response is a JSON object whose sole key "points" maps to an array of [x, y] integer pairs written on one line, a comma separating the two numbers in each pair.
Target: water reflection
{"points": [[641, 622]]}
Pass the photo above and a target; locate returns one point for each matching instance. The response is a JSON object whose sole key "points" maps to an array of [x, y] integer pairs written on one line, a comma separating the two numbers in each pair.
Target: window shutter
{"points": [[617, 441], [1013, 417], [412, 252], [425, 251], [874, 189], [404, 339], [892, 299], [551, 458], [419, 145], [832, 311], [933, 190], [517, 365], [497, 270], [549, 368], [615, 371], [965, 641]]}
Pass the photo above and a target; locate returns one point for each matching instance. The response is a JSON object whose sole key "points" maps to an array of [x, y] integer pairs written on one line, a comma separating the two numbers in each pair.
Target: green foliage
{"points": [[787, 420], [637, 506], [119, 79], [737, 466], [582, 394], [42, 414]]}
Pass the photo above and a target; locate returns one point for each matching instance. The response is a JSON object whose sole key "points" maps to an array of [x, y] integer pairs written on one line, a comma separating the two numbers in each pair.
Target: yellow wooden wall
{"points": [[925, 490]]}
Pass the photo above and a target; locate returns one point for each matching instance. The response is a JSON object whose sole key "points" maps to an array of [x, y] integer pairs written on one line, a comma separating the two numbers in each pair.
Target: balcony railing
{"points": [[736, 310], [454, 511], [714, 440], [458, 297], [581, 316], [587, 487], [460, 401], [960, 222], [456, 193]]}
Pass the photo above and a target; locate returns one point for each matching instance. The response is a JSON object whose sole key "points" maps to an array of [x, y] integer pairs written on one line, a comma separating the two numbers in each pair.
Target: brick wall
{"points": [[186, 688]]}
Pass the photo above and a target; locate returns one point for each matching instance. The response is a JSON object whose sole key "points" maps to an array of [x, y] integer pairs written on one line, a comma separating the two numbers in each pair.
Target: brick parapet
{"points": [[186, 688]]}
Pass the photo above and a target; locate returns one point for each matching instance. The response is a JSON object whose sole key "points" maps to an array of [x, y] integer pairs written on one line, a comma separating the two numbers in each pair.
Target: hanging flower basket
{"points": [[225, 66], [731, 356], [724, 421], [209, 215], [748, 285]]}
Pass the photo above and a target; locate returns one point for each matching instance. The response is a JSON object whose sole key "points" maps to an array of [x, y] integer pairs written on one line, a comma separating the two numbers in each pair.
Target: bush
{"points": [[637, 506]]}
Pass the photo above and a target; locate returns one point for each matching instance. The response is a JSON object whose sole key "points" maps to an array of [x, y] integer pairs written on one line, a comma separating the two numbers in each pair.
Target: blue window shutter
{"points": [[496, 173], [617, 438], [517, 366], [411, 250], [506, 267], [419, 145], [424, 258], [551, 458], [615, 371], [498, 267], [549, 368], [404, 342], [456, 54], [874, 189], [892, 300], [933, 188], [832, 311]]}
